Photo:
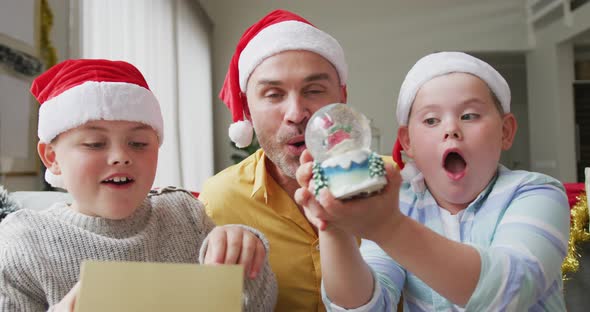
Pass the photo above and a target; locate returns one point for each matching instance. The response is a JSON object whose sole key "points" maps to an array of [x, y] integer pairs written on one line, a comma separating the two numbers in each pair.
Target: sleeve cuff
{"points": [[369, 306], [474, 303]]}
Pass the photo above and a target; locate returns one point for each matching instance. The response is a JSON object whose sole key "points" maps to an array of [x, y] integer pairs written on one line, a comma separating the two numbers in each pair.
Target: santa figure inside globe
{"points": [[339, 138]]}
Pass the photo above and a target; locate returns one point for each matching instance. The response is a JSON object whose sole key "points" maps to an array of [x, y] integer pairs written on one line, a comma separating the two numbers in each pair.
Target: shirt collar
{"points": [[481, 198], [264, 186], [259, 187], [416, 180]]}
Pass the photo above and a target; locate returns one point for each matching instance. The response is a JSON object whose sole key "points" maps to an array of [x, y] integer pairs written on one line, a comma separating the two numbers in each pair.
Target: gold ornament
{"points": [[48, 53], [578, 234]]}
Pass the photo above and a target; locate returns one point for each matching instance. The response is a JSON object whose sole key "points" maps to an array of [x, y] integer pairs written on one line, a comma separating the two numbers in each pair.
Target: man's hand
{"points": [[68, 303], [231, 244]]}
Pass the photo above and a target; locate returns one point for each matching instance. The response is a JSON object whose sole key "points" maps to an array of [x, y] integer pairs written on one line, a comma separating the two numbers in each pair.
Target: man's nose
{"points": [[297, 111]]}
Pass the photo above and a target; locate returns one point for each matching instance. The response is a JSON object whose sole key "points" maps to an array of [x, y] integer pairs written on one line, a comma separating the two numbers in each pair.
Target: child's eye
{"points": [[137, 145], [430, 121], [470, 116], [94, 145]]}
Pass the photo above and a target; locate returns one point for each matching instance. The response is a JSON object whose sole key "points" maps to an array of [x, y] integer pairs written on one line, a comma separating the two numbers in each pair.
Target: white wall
{"points": [[512, 66], [551, 112], [382, 39], [59, 36]]}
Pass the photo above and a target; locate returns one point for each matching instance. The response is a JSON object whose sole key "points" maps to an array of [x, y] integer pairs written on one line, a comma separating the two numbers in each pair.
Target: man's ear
{"points": [[509, 127], [403, 135], [47, 154]]}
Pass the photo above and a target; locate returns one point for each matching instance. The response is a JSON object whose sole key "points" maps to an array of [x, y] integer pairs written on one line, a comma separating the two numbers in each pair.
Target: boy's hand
{"points": [[231, 244], [369, 217], [68, 303], [304, 195]]}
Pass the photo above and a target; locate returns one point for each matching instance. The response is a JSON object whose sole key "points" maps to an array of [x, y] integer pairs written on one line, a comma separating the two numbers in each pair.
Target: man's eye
{"points": [[470, 116], [273, 95], [314, 91], [94, 145]]}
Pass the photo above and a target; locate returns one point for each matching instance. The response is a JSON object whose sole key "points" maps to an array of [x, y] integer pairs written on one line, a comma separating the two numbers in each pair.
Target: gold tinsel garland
{"points": [[48, 52], [578, 233]]}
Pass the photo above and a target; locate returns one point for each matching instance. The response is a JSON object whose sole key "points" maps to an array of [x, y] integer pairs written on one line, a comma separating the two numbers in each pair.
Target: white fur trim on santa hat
{"points": [[54, 180], [287, 36], [99, 101], [438, 64], [241, 132]]}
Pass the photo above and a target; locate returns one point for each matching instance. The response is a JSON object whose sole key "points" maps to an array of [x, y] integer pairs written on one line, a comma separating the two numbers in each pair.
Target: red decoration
{"points": [[573, 190]]}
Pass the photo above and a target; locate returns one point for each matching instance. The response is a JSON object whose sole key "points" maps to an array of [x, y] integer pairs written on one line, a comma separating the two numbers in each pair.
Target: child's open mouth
{"points": [[118, 181], [455, 165]]}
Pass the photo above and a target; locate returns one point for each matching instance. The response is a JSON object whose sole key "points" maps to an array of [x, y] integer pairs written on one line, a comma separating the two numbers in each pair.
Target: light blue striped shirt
{"points": [[519, 225]]}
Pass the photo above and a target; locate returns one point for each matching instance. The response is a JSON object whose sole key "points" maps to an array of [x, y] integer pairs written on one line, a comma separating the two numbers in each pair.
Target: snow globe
{"points": [[339, 139]]}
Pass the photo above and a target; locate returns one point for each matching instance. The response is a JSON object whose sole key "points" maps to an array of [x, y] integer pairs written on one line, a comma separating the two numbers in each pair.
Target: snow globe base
{"points": [[355, 173]]}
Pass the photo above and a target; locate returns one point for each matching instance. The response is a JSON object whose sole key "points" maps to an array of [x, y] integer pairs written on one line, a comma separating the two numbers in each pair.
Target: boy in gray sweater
{"points": [[100, 128]]}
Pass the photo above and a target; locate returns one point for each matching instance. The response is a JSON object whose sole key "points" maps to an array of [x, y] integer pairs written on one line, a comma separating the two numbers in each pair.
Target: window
{"points": [[169, 41]]}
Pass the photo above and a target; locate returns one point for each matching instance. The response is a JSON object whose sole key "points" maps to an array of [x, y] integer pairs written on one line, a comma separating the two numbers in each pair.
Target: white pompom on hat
{"points": [[74, 92], [276, 32], [241, 133]]}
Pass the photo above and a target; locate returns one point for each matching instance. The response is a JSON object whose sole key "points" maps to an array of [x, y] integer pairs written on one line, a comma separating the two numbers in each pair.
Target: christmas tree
{"points": [[376, 166], [7, 205], [319, 179]]}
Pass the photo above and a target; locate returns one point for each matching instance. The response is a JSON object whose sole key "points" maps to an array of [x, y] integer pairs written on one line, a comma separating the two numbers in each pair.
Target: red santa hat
{"points": [[277, 32], [74, 92], [439, 64]]}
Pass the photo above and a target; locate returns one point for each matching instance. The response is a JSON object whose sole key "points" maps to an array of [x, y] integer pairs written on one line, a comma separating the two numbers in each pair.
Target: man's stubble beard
{"points": [[273, 150]]}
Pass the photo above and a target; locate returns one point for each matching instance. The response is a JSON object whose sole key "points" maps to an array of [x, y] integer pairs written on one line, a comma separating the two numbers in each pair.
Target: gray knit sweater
{"points": [[41, 252]]}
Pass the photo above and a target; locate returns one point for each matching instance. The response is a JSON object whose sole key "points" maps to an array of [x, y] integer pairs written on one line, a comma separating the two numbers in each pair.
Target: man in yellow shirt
{"points": [[284, 70]]}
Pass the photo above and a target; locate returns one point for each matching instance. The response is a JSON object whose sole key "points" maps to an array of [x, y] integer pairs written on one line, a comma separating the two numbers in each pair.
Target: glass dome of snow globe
{"points": [[336, 129]]}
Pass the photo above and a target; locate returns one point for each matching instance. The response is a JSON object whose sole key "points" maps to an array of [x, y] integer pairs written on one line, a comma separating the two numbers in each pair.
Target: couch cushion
{"points": [[39, 200]]}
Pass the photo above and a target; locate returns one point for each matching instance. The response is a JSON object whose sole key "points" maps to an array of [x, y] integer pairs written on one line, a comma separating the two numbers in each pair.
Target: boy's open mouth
{"points": [[455, 165], [118, 181]]}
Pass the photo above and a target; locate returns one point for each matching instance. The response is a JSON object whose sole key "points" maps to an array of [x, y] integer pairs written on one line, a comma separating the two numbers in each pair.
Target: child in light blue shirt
{"points": [[459, 231]]}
